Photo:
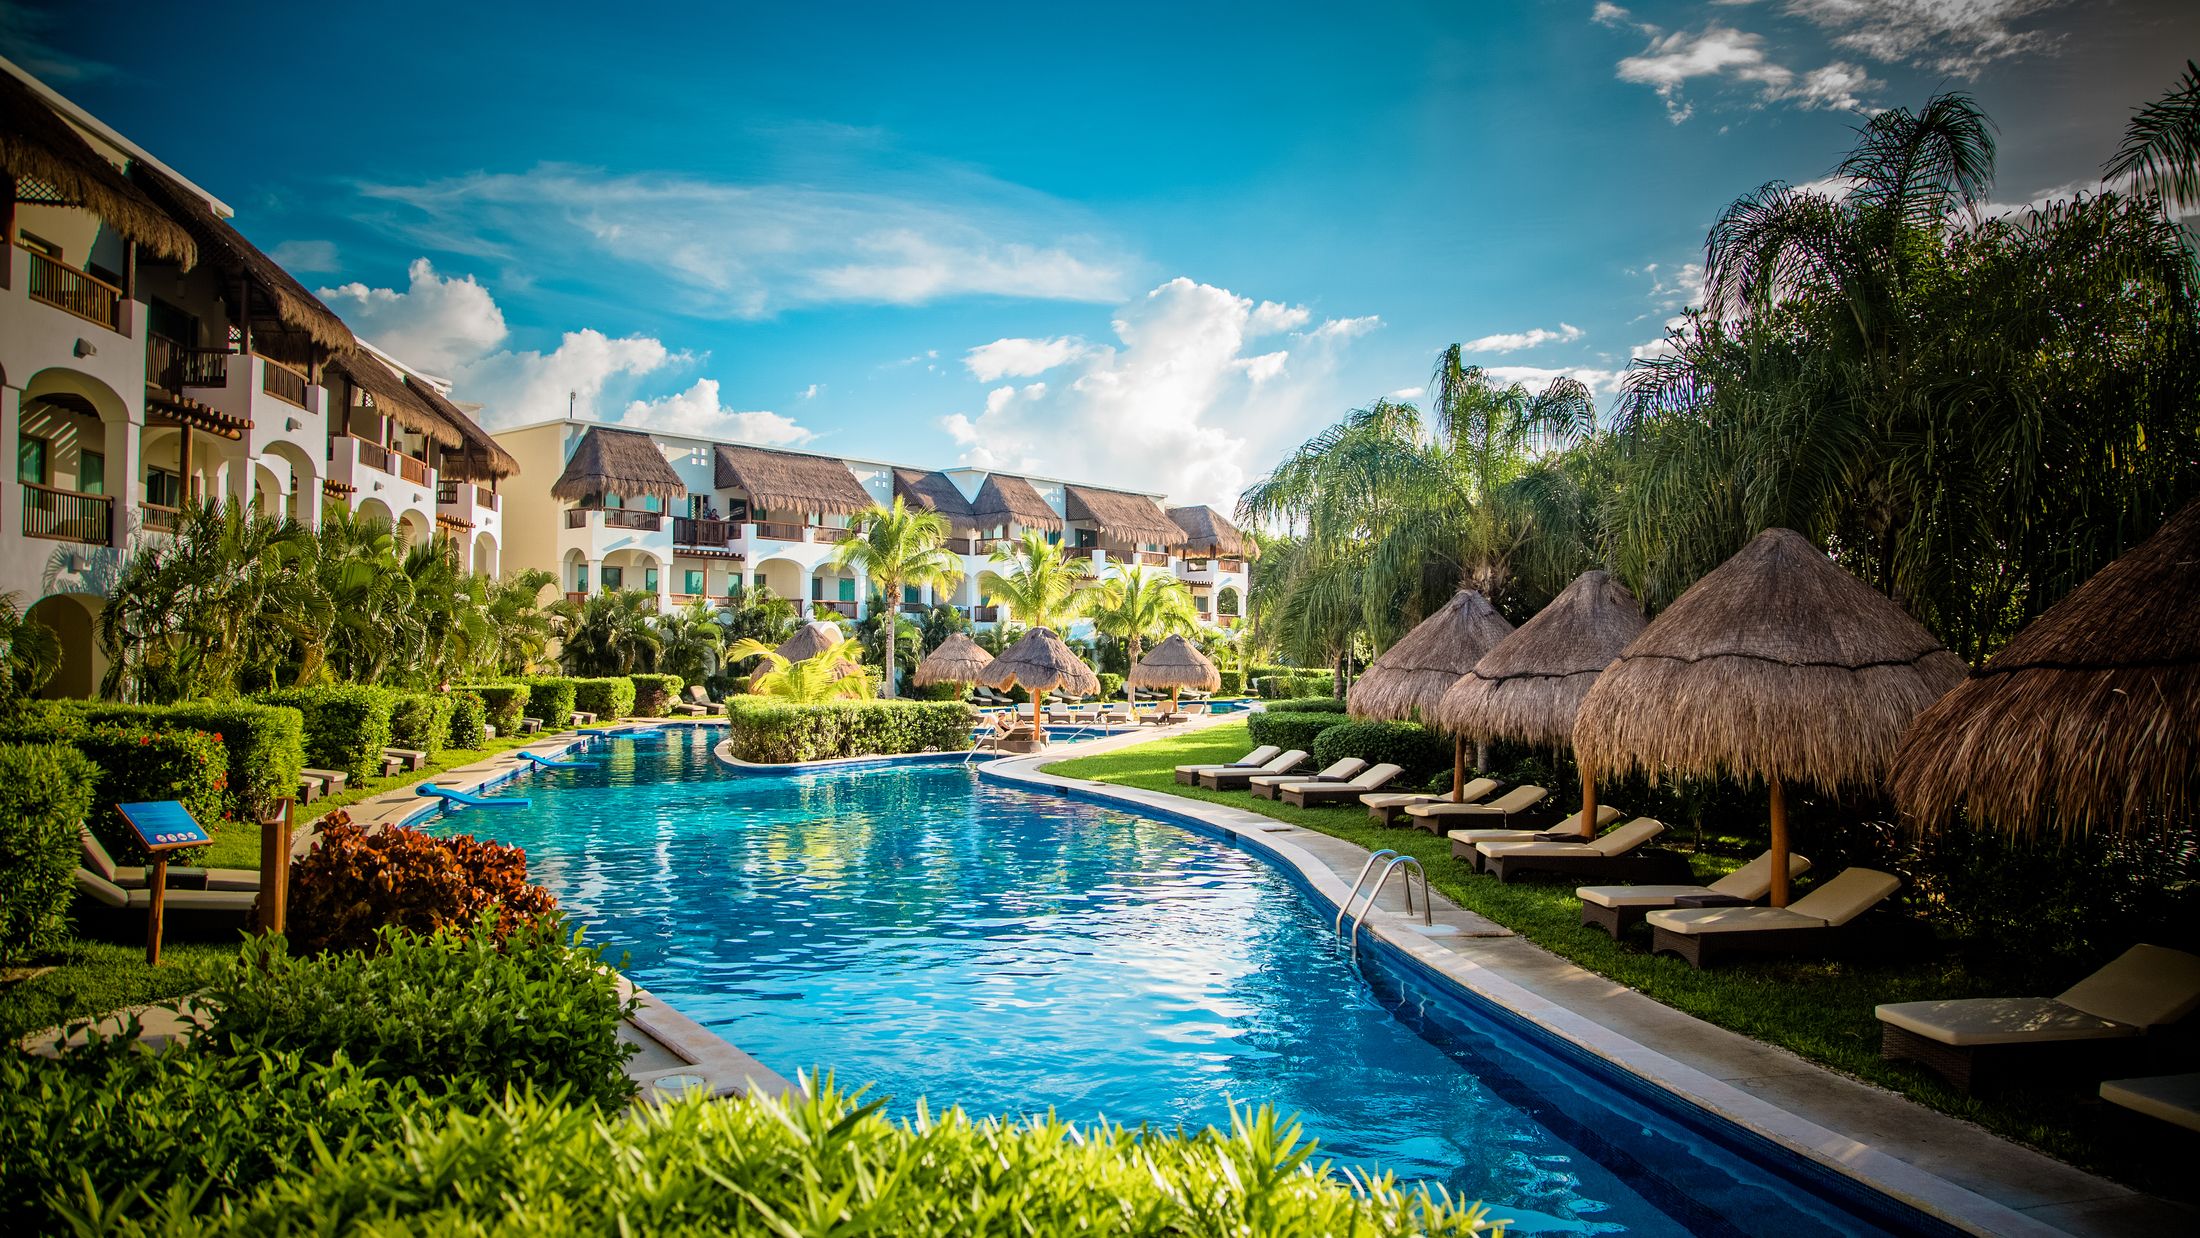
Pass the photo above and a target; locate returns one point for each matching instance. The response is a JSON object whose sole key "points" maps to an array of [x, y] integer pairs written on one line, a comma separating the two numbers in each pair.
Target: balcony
{"points": [[821, 606], [395, 463], [696, 531], [76, 292], [67, 515], [614, 518], [985, 614], [1151, 558], [777, 531], [454, 494], [827, 533], [289, 386], [161, 518], [175, 368]]}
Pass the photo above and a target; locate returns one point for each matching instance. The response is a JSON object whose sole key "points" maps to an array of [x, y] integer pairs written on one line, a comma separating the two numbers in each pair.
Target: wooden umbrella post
{"points": [[1458, 768], [1779, 845], [1588, 804]]}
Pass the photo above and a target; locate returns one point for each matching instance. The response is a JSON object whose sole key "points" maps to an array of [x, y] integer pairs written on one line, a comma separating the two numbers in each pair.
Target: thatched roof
{"points": [[1405, 683], [1120, 515], [391, 396], [790, 480], [1004, 498], [1176, 663], [1777, 664], [957, 660], [621, 462], [2089, 719], [808, 641], [477, 456], [1207, 530], [279, 305], [1528, 688], [936, 492], [1040, 663], [38, 144]]}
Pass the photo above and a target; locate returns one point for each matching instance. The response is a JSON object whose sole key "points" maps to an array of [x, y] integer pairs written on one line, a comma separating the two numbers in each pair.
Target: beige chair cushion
{"points": [[1606, 815], [1376, 776], [2000, 1021], [1336, 773], [1475, 838], [95, 855], [2172, 1098], [1754, 879], [1511, 801], [1474, 790], [1694, 921], [1849, 895], [2146, 986], [1637, 896], [1620, 841], [107, 892]]}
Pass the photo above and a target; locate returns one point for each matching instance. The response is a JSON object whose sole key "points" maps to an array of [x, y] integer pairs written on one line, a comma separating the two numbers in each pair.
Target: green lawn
{"points": [[94, 977], [1821, 1010]]}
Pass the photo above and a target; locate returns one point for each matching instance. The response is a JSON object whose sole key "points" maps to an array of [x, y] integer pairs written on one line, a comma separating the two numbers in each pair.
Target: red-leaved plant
{"points": [[354, 882]]}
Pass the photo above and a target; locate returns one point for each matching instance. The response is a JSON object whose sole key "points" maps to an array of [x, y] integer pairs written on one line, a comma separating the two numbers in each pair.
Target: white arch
{"points": [[74, 620], [414, 526], [485, 553], [784, 576], [375, 511]]}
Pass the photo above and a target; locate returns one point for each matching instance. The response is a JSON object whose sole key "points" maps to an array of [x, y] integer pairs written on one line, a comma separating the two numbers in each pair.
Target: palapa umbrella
{"points": [[1406, 682], [1530, 687], [957, 660], [1040, 663], [1175, 664], [808, 641], [2090, 717], [1776, 665]]}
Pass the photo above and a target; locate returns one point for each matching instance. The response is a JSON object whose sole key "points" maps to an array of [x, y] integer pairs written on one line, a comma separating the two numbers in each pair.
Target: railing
{"points": [[620, 518], [80, 293], [985, 614], [821, 606], [163, 518], [960, 545], [446, 494], [778, 532], [66, 515], [575, 598], [374, 455], [1153, 559], [915, 608], [172, 366], [485, 498], [414, 471], [576, 518], [827, 533], [289, 386], [1094, 553], [698, 531], [1231, 565]]}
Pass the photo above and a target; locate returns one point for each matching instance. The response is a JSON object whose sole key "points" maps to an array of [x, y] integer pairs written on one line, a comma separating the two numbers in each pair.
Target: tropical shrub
{"points": [[422, 721], [1289, 730], [1233, 683], [346, 725], [507, 703], [265, 744], [353, 883], [1299, 684], [1307, 705], [138, 763], [607, 698], [940, 692], [469, 719], [1415, 749], [550, 698], [45, 792], [1111, 685], [777, 732], [654, 694]]}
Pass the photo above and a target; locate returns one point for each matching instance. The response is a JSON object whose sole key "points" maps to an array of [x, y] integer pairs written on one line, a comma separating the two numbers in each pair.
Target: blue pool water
{"points": [[936, 935]]}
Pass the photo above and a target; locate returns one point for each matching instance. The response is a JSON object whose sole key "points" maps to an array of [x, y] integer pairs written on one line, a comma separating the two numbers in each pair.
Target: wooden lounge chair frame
{"points": [[1322, 795], [1385, 808], [1615, 919], [1239, 779], [1496, 814], [1642, 864], [1267, 786], [1188, 775], [1700, 950]]}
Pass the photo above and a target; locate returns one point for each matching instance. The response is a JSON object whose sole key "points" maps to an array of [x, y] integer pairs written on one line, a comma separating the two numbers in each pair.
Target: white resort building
{"points": [[150, 357], [688, 518]]}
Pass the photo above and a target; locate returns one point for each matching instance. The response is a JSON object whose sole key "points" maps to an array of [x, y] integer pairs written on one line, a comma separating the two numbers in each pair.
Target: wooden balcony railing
{"points": [[159, 517], [960, 545], [1153, 559], [450, 493], [414, 471], [374, 455], [1231, 565], [576, 518], [824, 607], [985, 614], [827, 533], [697, 531], [289, 386], [915, 608], [620, 518], [446, 493], [485, 498], [67, 515], [172, 367], [80, 293], [777, 531]]}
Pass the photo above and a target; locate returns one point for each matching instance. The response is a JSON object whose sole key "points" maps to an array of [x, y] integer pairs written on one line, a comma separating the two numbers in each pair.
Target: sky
{"points": [[1148, 245]]}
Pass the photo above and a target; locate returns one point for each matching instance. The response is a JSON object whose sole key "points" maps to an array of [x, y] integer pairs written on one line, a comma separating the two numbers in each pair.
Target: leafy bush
{"points": [[607, 698], [346, 725], [265, 744], [939, 692], [422, 721], [1284, 687], [654, 694], [469, 719], [353, 883], [1417, 750], [137, 763], [778, 732], [1289, 730], [1233, 683], [1111, 685], [1307, 705], [474, 1001], [507, 704], [45, 792], [550, 698]]}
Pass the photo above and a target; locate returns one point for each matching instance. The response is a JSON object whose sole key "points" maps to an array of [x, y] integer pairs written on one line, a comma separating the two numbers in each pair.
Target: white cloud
{"points": [[517, 387], [1021, 358], [1177, 404], [750, 250], [1608, 14], [1719, 51], [436, 323], [697, 412], [1536, 377], [1674, 287], [1838, 86], [1514, 341], [1662, 346], [810, 392], [312, 256], [1957, 37]]}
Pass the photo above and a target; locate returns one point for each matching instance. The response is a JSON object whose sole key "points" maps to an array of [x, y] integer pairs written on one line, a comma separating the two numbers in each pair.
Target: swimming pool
{"points": [[1011, 951]]}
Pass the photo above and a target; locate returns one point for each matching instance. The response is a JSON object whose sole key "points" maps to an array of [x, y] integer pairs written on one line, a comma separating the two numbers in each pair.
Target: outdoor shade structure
{"points": [[1175, 664], [37, 145], [1529, 688], [622, 462], [957, 660], [1039, 663], [1776, 665], [1407, 681], [2089, 720], [808, 641]]}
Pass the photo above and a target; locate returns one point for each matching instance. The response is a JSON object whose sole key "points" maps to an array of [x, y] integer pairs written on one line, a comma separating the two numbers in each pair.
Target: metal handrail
{"points": [[1428, 906], [1338, 926]]}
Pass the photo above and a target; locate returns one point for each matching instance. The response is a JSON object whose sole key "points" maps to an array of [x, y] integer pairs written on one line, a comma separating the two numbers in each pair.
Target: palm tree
{"points": [[30, 653], [522, 624], [610, 633], [693, 641], [1138, 603], [898, 549], [2161, 150], [1041, 586], [823, 677]]}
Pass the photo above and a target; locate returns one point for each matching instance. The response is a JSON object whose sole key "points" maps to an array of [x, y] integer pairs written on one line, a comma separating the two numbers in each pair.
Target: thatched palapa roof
{"points": [[1041, 663], [1209, 531], [292, 319], [477, 456], [1121, 515], [1406, 682], [1004, 499], [1176, 663], [1530, 685], [808, 641], [391, 396], [2089, 719], [36, 143], [936, 492], [790, 480], [622, 462], [957, 660], [1777, 665]]}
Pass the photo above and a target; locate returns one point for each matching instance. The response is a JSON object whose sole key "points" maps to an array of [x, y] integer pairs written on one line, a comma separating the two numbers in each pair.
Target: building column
{"points": [[125, 472], [664, 586], [863, 595], [11, 423], [595, 577]]}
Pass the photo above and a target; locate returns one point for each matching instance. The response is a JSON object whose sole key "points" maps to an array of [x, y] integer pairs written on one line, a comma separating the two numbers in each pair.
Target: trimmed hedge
{"points": [[265, 744], [1289, 730], [1284, 687], [1419, 751], [507, 703], [1233, 684], [346, 725], [778, 732], [1307, 705], [469, 720], [1111, 685], [139, 763], [422, 721], [654, 694], [606, 698], [45, 791], [550, 698]]}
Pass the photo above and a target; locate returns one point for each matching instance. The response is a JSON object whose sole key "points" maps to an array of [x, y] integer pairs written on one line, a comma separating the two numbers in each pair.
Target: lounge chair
{"points": [[1270, 786], [1705, 935], [1613, 908], [1384, 808], [581, 717], [1118, 712], [698, 702], [2172, 1098], [133, 877], [1441, 818], [1318, 794], [2092, 1023], [1613, 856], [1239, 779], [1162, 716], [1189, 774], [529, 726], [1567, 830], [108, 894]]}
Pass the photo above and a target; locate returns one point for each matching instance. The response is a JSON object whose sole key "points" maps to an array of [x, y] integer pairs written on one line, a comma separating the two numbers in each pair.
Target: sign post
{"points": [[274, 904], [162, 826]]}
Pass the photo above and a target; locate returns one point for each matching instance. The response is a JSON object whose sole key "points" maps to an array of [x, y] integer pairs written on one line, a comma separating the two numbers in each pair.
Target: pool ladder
{"points": [[1391, 861]]}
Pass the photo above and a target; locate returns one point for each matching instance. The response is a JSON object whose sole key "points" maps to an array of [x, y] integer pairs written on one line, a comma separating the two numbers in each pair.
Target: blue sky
{"points": [[1154, 245]]}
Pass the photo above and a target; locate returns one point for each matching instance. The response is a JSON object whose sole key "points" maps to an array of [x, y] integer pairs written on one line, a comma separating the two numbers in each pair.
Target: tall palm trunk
{"points": [[891, 595]]}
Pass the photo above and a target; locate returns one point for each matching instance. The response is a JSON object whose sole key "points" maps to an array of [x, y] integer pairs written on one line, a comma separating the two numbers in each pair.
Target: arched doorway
{"points": [[784, 577], [485, 554], [72, 439], [375, 512], [414, 527], [74, 620]]}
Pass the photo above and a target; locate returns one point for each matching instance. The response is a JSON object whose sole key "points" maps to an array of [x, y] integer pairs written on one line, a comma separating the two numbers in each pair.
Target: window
{"points": [[91, 472], [692, 581], [649, 579], [614, 578], [30, 459], [40, 245], [580, 578], [174, 323], [652, 503], [612, 500], [695, 511], [817, 588], [847, 589], [912, 595], [163, 488]]}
